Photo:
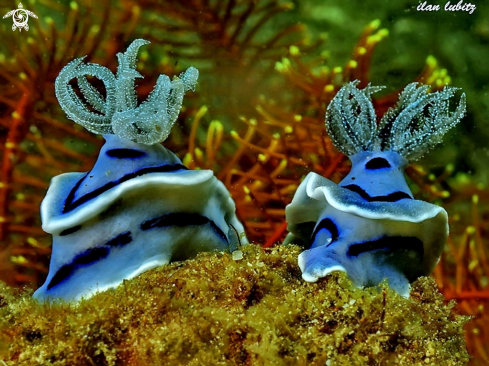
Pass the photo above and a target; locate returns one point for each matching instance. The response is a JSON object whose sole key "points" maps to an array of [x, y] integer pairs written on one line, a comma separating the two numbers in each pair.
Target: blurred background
{"points": [[268, 69]]}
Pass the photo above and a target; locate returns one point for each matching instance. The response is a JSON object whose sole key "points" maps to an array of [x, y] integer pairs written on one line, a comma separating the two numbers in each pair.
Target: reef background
{"points": [[268, 70]]}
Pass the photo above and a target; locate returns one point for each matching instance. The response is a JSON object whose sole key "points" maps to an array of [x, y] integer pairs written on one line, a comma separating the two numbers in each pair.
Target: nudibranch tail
{"points": [[411, 128], [149, 123]]}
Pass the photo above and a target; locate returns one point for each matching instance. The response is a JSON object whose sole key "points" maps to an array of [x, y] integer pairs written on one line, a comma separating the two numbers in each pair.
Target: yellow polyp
{"points": [[246, 190], [20, 196], [15, 115], [473, 264], [257, 185], [431, 62], [33, 242], [338, 70], [445, 194], [374, 24], [30, 40], [276, 136], [325, 55], [294, 50], [281, 167], [2, 219], [9, 145], [283, 66], [361, 50], [19, 259], [314, 158], [288, 6], [73, 6], [262, 158], [279, 66], [214, 139], [199, 155], [234, 134], [288, 129], [94, 29], [187, 160], [329, 88], [475, 199], [49, 20], [253, 121], [352, 64], [377, 37], [470, 229], [2, 185], [297, 117], [431, 177], [288, 189], [373, 39], [143, 55]]}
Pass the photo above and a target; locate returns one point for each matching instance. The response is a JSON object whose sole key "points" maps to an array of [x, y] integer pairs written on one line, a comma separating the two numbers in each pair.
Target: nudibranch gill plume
{"points": [[139, 207], [369, 225]]}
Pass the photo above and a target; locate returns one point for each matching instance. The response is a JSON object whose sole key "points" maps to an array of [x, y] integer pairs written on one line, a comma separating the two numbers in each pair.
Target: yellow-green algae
{"points": [[215, 310]]}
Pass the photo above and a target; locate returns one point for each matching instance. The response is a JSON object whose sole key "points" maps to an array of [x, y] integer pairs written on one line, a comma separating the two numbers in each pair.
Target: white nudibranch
{"points": [[369, 225], [139, 207]]}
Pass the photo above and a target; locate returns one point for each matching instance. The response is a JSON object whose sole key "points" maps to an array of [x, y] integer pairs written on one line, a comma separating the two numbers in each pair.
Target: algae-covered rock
{"points": [[216, 310]]}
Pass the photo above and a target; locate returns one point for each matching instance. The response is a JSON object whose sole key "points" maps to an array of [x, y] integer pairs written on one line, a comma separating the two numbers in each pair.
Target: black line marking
{"points": [[377, 163], [125, 153], [120, 240], [387, 243], [391, 197], [329, 225], [180, 219], [88, 257], [71, 230], [70, 204]]}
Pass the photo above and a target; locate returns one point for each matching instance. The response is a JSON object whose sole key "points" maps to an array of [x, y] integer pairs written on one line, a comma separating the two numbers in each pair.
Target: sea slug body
{"points": [[369, 225], [139, 207]]}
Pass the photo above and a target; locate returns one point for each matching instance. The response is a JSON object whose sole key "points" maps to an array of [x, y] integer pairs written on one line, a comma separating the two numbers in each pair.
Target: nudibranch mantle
{"points": [[369, 225], [139, 207]]}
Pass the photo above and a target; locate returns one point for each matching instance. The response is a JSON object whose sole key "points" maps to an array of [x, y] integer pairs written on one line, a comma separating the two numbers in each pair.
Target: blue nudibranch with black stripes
{"points": [[139, 207], [369, 225]]}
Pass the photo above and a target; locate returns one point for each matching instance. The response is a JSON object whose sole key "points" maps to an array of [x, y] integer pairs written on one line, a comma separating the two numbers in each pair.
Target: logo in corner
{"points": [[20, 17]]}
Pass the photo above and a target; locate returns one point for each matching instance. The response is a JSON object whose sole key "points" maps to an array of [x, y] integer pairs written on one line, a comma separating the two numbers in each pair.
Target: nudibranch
{"points": [[139, 207], [369, 225]]}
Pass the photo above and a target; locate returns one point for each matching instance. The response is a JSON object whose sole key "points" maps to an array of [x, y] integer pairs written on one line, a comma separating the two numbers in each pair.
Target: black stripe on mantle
{"points": [[70, 204], [88, 257], [391, 197]]}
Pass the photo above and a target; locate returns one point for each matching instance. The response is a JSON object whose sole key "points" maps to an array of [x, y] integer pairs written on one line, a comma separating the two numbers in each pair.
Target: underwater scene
{"points": [[244, 182]]}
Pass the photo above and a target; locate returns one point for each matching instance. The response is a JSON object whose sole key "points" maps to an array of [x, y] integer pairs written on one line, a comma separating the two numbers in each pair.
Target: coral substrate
{"points": [[248, 308]]}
